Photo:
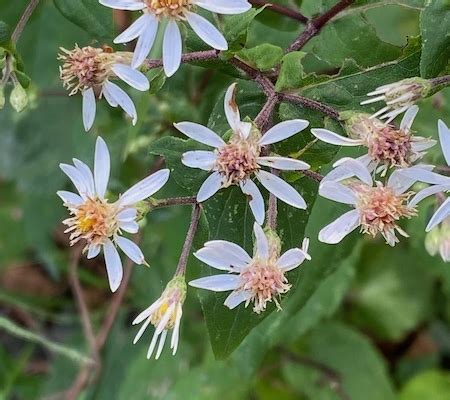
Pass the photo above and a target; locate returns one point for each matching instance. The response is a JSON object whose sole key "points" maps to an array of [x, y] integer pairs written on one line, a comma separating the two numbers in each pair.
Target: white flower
{"points": [[173, 11], [259, 279], [398, 96], [164, 314], [377, 207], [89, 70], [99, 222], [387, 146], [440, 183], [235, 162]]}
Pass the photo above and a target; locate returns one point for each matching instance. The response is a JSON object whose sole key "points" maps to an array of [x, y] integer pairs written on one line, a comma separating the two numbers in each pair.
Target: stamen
{"points": [[169, 8]]}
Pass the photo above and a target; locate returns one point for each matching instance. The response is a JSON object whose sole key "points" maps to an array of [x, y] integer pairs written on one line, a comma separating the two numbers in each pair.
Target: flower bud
{"points": [[437, 241], [18, 98]]}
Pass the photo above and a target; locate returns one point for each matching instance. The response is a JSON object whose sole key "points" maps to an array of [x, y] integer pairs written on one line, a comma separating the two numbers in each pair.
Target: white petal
{"points": [[109, 97], [328, 136], [442, 212], [206, 31], [131, 5], [162, 325], [232, 111], [291, 259], [416, 173], [281, 189], [145, 188], [237, 297], [134, 30], [262, 244], [224, 6], [408, 118], [423, 194], [217, 283], [89, 108], [200, 133], [176, 331], [162, 340], [152, 345], [131, 249], [147, 312], [88, 178], [69, 198], [337, 230], [337, 192], [444, 138], [210, 187], [235, 254], [145, 41], [113, 265], [122, 99], [142, 330], [420, 143], [283, 163], [93, 251], [172, 48], [283, 130], [255, 199], [131, 76], [201, 159], [129, 214], [129, 226], [76, 177], [352, 167], [102, 167]]}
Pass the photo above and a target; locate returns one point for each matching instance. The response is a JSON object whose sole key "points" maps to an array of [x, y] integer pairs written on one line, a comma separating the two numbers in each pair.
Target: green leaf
{"points": [[430, 385], [350, 355], [89, 15], [263, 57], [5, 37], [434, 26], [291, 71]]}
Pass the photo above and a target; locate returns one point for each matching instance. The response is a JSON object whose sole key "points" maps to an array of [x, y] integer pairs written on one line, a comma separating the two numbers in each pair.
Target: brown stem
{"points": [[187, 58], [265, 115], [264, 82], [314, 26], [313, 175], [181, 268], [310, 103], [288, 12], [440, 80], [23, 20], [272, 211], [174, 201]]}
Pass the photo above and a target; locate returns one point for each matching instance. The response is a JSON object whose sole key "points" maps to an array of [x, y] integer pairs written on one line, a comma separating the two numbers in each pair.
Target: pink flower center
{"points": [[236, 161], [169, 8], [266, 282]]}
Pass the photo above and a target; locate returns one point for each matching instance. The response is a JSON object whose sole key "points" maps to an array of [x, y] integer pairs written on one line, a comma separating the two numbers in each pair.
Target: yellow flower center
{"points": [[236, 161], [169, 8]]}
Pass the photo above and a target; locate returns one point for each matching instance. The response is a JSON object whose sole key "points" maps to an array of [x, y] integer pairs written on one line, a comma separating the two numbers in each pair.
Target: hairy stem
{"points": [[288, 12], [182, 263], [174, 201], [440, 81], [187, 58], [314, 26], [265, 115], [23, 20], [310, 103]]}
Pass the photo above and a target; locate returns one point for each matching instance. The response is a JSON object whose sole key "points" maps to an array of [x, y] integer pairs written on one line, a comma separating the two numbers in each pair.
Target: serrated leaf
{"points": [[89, 15], [263, 57], [291, 71], [434, 26]]}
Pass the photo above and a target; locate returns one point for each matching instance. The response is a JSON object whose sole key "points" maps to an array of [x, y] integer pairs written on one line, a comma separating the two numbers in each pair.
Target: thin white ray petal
{"points": [[102, 166], [262, 244], [93, 251], [113, 265], [131, 76], [237, 297], [88, 178], [441, 213], [145, 188], [162, 340], [130, 5], [281, 189], [231, 108], [200, 133], [328, 136], [77, 179], [172, 48], [210, 187], [291, 259], [69, 198], [201, 159], [129, 214], [131, 249], [409, 117], [255, 199], [337, 230], [147, 312], [444, 138], [122, 99], [429, 191], [129, 226], [141, 330], [232, 253], [217, 283], [352, 167], [283, 163], [206, 31], [337, 192], [152, 345], [145, 41], [224, 6], [417, 173], [283, 130], [134, 30], [89, 108]]}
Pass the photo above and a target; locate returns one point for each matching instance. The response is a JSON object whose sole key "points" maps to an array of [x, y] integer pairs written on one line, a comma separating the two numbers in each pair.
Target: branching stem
{"points": [[23, 20]]}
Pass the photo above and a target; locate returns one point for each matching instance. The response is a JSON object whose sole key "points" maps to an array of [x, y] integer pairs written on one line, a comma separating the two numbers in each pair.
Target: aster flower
{"points": [[440, 183], [235, 162], [172, 11], [256, 280], [398, 96], [100, 223], [377, 207], [165, 315], [386, 145], [90, 70]]}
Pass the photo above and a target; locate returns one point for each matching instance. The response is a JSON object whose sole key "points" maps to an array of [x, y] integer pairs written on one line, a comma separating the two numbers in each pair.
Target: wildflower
{"points": [[256, 280], [174, 12], [398, 96], [90, 70], [165, 315], [377, 207], [100, 223], [386, 145], [437, 241], [235, 162]]}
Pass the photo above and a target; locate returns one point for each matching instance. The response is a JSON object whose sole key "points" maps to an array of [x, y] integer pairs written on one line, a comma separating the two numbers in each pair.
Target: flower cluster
{"points": [[376, 185]]}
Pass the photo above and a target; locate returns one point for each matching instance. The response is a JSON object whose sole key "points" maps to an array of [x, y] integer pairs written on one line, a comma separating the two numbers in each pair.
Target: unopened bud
{"points": [[359, 125], [437, 241], [18, 98]]}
